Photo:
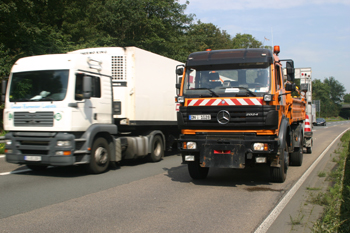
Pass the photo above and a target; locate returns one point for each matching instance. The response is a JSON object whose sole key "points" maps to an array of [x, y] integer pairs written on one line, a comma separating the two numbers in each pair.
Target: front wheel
{"points": [[279, 174], [196, 171], [99, 157]]}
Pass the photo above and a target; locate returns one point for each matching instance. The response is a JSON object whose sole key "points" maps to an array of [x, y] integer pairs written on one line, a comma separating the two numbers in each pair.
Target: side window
{"points": [[78, 87], [278, 77], [96, 87]]}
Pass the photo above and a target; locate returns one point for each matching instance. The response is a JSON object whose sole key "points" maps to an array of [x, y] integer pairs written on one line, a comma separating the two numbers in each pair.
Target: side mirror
{"points": [[290, 87], [177, 85], [86, 87], [290, 70], [179, 71], [3, 89]]}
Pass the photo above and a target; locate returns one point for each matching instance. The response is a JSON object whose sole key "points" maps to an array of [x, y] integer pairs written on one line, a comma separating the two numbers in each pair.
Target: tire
{"points": [[157, 149], [36, 167], [99, 157], [309, 150], [296, 157], [279, 174], [196, 171]]}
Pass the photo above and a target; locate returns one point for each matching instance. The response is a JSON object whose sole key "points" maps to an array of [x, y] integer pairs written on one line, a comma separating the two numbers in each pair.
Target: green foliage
{"points": [[336, 200], [245, 41], [347, 98], [330, 93], [33, 27]]}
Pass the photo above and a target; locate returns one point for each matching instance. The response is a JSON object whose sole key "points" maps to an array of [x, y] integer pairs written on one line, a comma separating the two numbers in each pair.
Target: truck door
{"points": [[88, 111]]}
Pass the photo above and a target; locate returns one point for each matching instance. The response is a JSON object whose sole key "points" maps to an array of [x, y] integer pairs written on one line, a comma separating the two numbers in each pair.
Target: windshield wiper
{"points": [[211, 91]]}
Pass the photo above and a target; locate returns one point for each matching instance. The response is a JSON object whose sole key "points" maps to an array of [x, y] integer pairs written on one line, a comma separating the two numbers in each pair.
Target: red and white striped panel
{"points": [[307, 127], [224, 102]]}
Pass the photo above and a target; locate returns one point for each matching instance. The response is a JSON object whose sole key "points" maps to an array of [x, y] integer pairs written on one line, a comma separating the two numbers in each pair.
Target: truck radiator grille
{"points": [[37, 119]]}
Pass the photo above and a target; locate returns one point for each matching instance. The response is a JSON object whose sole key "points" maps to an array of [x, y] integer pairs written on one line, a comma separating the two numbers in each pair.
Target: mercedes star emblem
{"points": [[223, 117]]}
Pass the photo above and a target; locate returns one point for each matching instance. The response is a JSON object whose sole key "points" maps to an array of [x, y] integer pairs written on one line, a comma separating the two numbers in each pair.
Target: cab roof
{"points": [[230, 56]]}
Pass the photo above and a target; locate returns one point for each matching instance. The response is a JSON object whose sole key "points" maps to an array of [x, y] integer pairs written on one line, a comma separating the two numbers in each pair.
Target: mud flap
{"points": [[223, 156]]}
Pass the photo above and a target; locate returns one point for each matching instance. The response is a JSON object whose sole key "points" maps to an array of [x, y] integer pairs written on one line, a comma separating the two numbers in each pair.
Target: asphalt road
{"points": [[146, 197]]}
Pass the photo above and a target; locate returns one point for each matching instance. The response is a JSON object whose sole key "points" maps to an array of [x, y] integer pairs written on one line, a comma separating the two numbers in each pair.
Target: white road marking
{"points": [[265, 225]]}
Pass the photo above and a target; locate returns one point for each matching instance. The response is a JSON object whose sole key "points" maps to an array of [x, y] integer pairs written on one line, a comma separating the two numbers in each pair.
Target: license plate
{"points": [[32, 158], [199, 117]]}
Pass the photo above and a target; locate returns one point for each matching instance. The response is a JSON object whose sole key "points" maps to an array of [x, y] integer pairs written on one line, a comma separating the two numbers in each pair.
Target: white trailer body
{"points": [[305, 76], [66, 109]]}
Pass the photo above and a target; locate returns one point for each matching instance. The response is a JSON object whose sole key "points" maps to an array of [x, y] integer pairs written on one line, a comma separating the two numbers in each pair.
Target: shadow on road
{"points": [[250, 177], [79, 170]]}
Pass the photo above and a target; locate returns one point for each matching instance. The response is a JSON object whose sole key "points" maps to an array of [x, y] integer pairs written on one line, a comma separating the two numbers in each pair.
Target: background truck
{"points": [[93, 106], [235, 110]]}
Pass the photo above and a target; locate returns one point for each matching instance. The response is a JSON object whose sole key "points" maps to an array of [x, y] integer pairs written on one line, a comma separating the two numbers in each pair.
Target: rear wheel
{"points": [[196, 171], [309, 150], [296, 157], [99, 157], [157, 148]]}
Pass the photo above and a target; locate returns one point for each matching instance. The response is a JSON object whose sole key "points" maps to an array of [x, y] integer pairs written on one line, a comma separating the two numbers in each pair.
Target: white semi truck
{"points": [[305, 76], [93, 106]]}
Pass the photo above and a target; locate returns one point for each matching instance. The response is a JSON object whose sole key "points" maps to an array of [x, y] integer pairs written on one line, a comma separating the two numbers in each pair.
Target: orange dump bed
{"points": [[296, 110]]}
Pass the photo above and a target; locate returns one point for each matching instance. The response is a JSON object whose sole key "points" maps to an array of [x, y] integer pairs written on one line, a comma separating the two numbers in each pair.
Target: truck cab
{"points": [[235, 110]]}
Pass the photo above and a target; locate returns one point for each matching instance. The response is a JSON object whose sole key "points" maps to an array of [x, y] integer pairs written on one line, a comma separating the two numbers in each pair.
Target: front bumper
{"points": [[39, 148], [227, 150]]}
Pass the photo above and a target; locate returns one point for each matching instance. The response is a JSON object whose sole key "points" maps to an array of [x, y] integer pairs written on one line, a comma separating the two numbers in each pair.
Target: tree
{"points": [[347, 98], [243, 41], [336, 90]]}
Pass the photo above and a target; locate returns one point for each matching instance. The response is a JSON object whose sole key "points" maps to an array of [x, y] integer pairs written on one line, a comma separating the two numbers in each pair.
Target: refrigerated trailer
{"points": [[93, 106]]}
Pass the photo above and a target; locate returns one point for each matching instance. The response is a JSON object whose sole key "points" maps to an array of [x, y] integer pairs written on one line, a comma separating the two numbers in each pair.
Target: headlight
{"points": [[260, 146], [191, 145], [267, 98], [63, 143], [8, 142], [181, 99]]}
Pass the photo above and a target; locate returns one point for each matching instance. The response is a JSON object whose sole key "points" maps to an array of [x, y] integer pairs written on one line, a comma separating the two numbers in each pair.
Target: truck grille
{"points": [[240, 117], [37, 119]]}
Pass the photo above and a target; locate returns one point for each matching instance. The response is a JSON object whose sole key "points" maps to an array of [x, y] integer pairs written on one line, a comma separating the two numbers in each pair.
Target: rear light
{"points": [[222, 152]]}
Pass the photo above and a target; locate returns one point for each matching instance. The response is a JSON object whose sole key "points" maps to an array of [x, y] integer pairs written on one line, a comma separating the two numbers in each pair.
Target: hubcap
{"points": [[157, 149], [101, 155]]}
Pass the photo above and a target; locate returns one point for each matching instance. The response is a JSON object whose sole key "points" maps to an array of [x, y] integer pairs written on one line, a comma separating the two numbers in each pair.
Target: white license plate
{"points": [[32, 158], [200, 117]]}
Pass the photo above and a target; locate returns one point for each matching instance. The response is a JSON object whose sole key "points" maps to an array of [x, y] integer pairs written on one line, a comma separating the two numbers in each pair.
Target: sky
{"points": [[314, 33]]}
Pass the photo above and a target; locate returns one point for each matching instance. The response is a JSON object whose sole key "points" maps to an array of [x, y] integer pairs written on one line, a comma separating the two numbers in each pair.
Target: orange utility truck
{"points": [[235, 109]]}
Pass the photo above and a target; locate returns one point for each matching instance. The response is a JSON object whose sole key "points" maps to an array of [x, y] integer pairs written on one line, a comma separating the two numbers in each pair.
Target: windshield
{"points": [[47, 85], [227, 82]]}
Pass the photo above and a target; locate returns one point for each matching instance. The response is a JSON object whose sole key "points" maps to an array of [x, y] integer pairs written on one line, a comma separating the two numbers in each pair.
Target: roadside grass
{"points": [[336, 200], [330, 119], [2, 145]]}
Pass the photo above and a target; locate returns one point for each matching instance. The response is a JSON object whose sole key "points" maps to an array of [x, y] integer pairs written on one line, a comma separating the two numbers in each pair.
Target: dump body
{"points": [[235, 109], [76, 108]]}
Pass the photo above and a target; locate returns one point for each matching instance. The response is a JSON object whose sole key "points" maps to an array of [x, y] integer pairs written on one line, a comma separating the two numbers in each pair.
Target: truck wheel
{"points": [[196, 171], [296, 157], [279, 174], [157, 149], [309, 150], [36, 167], [99, 157]]}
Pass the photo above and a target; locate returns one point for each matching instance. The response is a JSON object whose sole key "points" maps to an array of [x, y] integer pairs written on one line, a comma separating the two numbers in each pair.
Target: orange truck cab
{"points": [[235, 109]]}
